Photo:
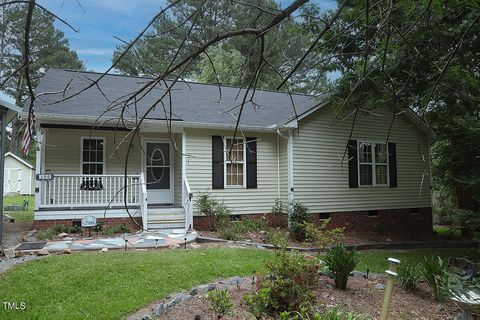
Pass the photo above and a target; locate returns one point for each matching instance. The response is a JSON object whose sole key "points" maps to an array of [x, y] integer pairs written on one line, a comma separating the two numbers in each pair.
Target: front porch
{"points": [[86, 173]]}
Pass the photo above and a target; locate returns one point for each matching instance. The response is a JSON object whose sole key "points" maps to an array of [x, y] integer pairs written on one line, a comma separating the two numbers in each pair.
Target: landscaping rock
{"points": [[206, 287], [195, 246], [197, 317], [161, 309], [62, 235], [193, 292], [380, 286], [146, 317], [173, 246], [104, 250], [260, 247], [9, 253], [43, 253], [19, 254], [235, 280], [439, 307], [67, 251]]}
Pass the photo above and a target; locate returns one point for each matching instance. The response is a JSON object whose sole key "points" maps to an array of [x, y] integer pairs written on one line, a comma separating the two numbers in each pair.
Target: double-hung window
{"points": [[93, 155], [372, 164], [234, 162]]}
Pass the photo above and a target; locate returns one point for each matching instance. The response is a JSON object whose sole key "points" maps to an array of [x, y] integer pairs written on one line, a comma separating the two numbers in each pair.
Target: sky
{"points": [[98, 21]]}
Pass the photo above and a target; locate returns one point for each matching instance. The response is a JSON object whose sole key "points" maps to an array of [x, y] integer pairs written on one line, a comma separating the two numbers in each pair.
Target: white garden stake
{"points": [[391, 274]]}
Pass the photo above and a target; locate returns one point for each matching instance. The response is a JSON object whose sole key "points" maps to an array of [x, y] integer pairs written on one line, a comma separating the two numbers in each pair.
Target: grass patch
{"points": [[114, 284], [20, 216], [376, 260], [110, 285]]}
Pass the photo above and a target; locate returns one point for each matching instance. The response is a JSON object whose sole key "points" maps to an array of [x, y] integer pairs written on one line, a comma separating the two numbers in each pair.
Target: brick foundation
{"points": [[402, 223], [46, 224]]}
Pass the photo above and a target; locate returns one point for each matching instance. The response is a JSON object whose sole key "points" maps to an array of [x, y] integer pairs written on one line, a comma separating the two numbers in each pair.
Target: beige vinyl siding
{"points": [[240, 200], [321, 182]]}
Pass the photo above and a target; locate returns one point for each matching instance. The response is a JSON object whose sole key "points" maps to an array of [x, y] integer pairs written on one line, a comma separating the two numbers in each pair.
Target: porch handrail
{"points": [[90, 190], [188, 205], [143, 203]]}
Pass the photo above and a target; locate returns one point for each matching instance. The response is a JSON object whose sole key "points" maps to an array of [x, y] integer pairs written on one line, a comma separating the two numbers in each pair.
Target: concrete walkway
{"points": [[154, 239]]}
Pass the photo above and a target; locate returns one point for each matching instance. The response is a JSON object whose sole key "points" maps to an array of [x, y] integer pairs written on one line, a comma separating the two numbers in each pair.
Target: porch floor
{"points": [[157, 239]]}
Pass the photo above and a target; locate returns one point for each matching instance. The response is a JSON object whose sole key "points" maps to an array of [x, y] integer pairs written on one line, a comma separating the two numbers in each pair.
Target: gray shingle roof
{"points": [[191, 102]]}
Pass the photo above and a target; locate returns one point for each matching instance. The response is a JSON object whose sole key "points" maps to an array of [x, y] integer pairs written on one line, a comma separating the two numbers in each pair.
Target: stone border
{"points": [[178, 298], [359, 247]]}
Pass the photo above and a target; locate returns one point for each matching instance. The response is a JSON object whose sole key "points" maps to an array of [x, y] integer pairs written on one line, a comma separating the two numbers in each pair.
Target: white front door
{"points": [[158, 170]]}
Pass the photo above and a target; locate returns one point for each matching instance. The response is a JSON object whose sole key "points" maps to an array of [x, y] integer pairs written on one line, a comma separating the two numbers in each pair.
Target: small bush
{"points": [[340, 263], [409, 276], [116, 229], [98, 228], [322, 237], [220, 301], [229, 233], [208, 206], [258, 303], [434, 271], [279, 207], [237, 230], [75, 229], [205, 204], [125, 229], [60, 228], [332, 314], [298, 217]]}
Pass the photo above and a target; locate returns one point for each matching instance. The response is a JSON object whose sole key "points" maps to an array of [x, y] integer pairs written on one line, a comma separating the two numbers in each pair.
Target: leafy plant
{"points": [[47, 234], [278, 207], [75, 229], [434, 271], [98, 228], [332, 314], [322, 237], [237, 230], [208, 206], [220, 301], [205, 204], [115, 229], [258, 302], [290, 284], [229, 233], [409, 275], [60, 228], [125, 229], [298, 217], [340, 263]]}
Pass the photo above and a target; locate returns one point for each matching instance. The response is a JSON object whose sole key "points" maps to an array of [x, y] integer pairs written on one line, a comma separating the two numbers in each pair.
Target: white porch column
{"points": [[38, 165], [184, 162]]}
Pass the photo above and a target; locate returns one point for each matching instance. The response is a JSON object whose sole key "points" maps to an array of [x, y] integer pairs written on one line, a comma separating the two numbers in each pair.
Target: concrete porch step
{"points": [[163, 225]]}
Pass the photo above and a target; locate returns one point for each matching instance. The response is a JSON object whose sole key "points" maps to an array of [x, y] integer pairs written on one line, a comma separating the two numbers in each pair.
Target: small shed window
{"points": [[234, 162], [93, 155], [372, 164]]}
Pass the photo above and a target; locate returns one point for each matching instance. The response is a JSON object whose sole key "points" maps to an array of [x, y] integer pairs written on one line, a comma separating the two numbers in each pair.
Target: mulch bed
{"points": [[361, 296]]}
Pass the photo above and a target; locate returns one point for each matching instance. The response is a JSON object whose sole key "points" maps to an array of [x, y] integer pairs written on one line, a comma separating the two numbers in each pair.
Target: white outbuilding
{"points": [[19, 176]]}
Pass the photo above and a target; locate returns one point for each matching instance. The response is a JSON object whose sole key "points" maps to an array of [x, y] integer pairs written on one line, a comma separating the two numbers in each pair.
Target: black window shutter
{"points": [[217, 162], [352, 164], [392, 164], [251, 162]]}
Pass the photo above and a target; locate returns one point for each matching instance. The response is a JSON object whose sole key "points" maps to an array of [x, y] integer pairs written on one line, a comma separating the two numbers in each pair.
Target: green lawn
{"points": [[376, 260], [21, 216], [111, 285]]}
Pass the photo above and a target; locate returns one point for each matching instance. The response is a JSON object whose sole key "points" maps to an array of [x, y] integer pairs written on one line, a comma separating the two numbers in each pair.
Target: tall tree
{"points": [[195, 22], [48, 48]]}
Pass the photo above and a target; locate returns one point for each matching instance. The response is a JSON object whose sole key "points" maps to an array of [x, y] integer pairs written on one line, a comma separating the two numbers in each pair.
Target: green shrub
{"points": [[258, 303], [98, 228], [116, 229], [340, 263], [290, 285], [237, 230], [279, 207], [332, 314], [322, 237], [298, 217], [229, 233], [435, 271], [409, 276], [205, 204], [75, 229], [60, 228], [220, 301], [125, 229]]}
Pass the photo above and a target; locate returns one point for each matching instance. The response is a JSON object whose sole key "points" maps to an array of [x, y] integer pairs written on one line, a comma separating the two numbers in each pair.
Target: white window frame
{"points": [[103, 163], [226, 161], [373, 164]]}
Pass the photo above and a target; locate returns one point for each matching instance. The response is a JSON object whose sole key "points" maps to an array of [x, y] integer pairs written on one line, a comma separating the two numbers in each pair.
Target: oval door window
{"points": [[158, 165]]}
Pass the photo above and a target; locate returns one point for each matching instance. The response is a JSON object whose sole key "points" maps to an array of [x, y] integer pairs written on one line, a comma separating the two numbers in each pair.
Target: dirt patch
{"points": [[361, 296], [14, 232]]}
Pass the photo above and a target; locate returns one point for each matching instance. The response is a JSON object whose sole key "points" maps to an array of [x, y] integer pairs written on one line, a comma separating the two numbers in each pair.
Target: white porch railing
{"points": [[77, 190], [187, 204]]}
